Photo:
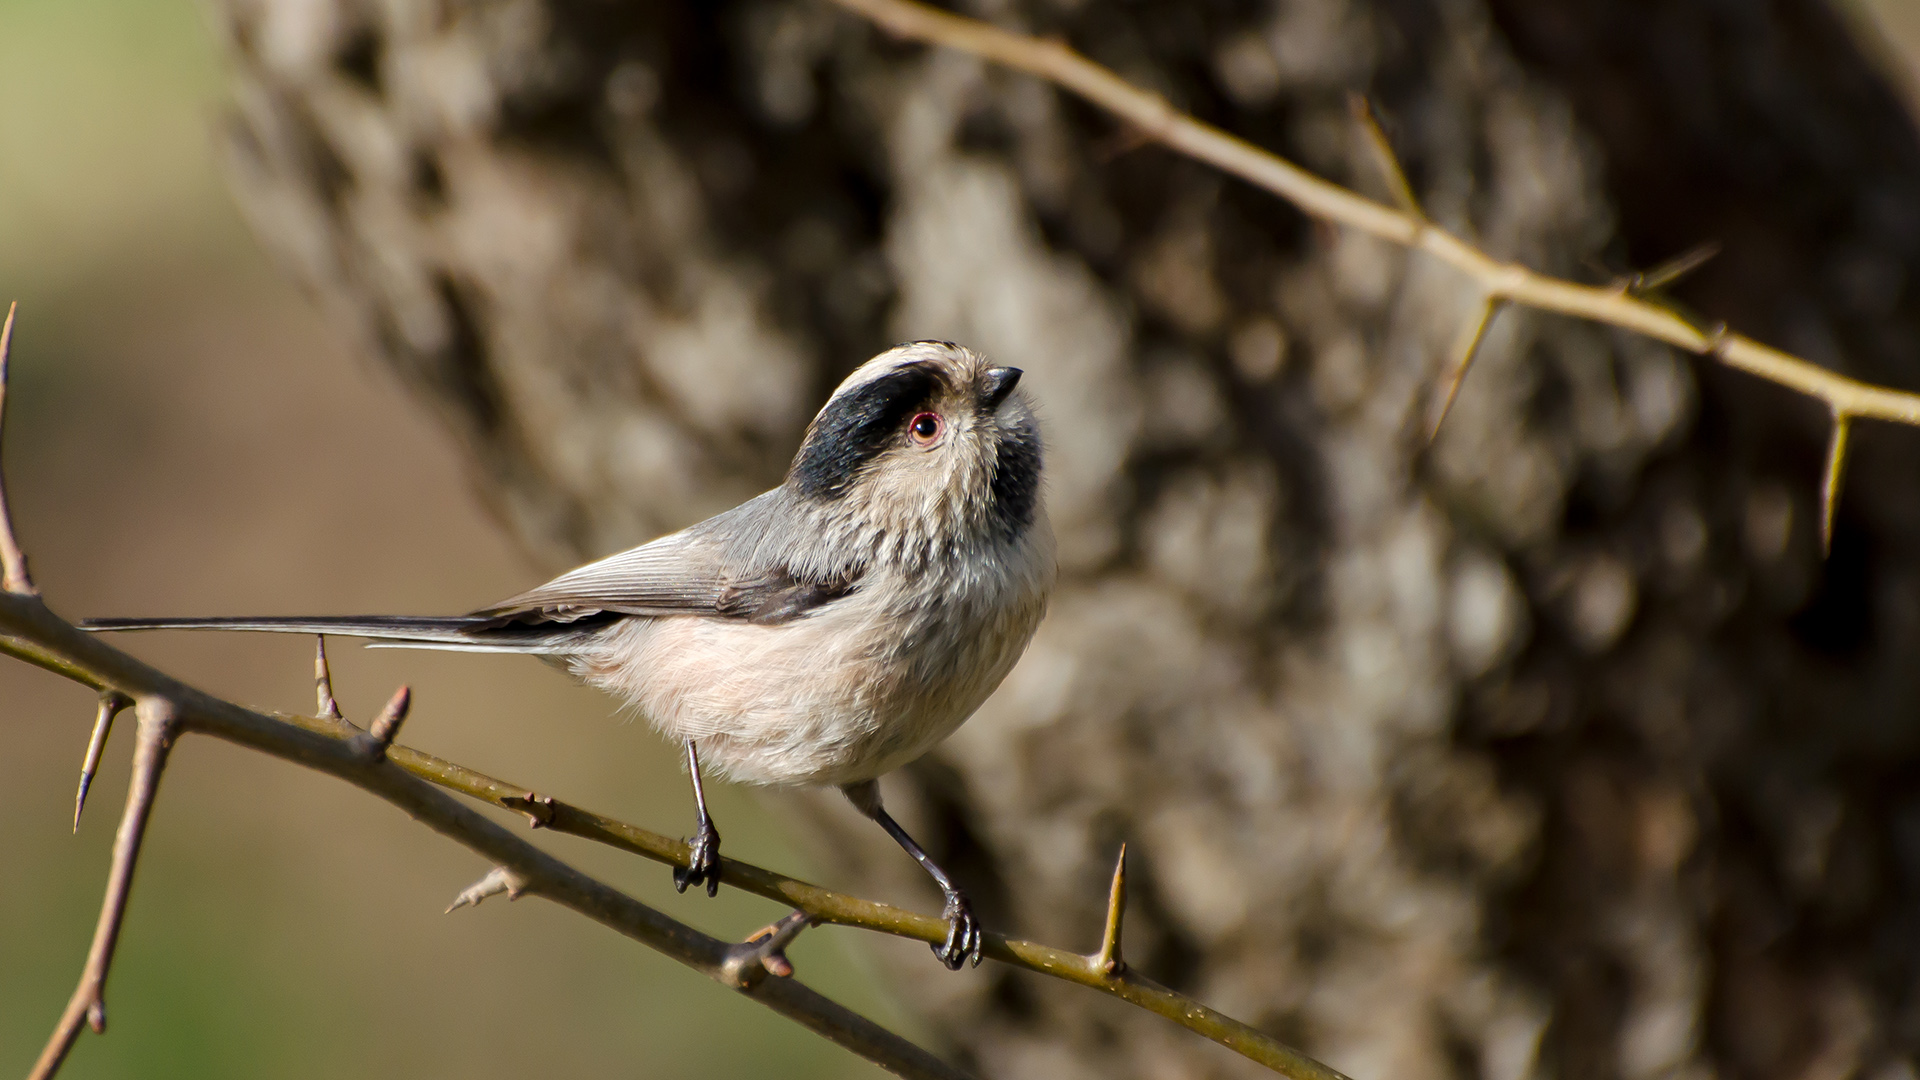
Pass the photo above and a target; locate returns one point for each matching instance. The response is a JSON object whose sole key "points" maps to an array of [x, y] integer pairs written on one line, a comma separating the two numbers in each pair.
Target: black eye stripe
{"points": [[857, 425]]}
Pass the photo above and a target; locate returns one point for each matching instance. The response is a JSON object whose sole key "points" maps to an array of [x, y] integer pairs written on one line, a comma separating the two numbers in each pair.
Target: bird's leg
{"points": [[703, 862], [964, 936]]}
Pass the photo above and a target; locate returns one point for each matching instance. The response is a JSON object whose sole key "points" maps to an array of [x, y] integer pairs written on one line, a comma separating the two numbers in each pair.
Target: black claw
{"points": [[964, 935], [703, 862]]}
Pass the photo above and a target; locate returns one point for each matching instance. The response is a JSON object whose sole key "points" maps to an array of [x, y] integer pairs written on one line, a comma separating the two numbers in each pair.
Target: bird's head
{"points": [[926, 441]]}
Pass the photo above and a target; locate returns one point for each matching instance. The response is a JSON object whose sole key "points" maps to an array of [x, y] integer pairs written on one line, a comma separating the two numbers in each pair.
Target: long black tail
{"points": [[459, 633]]}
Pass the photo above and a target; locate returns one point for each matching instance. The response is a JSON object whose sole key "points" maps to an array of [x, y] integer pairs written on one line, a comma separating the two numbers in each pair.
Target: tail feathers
{"points": [[462, 633]]}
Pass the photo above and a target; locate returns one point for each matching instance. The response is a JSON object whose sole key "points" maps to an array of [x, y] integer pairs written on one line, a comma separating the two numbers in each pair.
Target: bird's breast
{"points": [[846, 693]]}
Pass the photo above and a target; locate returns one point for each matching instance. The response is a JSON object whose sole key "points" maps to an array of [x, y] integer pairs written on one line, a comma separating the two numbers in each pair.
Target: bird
{"points": [[822, 633]]}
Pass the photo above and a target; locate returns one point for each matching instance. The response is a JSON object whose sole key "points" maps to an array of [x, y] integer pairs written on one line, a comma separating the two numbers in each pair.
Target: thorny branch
{"points": [[158, 727], [826, 907], [1620, 304]]}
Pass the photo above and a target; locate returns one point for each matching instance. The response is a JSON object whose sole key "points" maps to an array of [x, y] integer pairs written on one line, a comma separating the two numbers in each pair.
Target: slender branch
{"points": [[157, 729], [110, 705], [37, 635], [1151, 114], [13, 564]]}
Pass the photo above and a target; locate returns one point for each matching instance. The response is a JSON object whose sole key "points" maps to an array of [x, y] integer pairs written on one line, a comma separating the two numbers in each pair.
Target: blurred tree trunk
{"points": [[1555, 751]]}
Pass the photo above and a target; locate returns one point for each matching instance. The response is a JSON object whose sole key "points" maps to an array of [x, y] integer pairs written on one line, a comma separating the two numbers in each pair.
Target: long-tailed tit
{"points": [[826, 632]]}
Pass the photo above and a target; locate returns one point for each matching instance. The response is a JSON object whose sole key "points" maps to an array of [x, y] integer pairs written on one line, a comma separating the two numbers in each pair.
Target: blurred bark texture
{"points": [[1554, 752]]}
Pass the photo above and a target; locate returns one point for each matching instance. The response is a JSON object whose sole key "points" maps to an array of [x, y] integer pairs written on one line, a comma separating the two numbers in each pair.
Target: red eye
{"points": [[924, 429]]}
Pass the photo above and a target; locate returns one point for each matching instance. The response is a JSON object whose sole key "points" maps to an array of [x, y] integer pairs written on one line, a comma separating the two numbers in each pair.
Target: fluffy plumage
{"points": [[826, 631]]}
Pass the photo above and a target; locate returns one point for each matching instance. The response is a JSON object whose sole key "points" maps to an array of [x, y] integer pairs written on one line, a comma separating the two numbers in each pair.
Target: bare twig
{"points": [[13, 565], [1059, 64], [1108, 958], [157, 727], [110, 705], [323, 680], [826, 907]]}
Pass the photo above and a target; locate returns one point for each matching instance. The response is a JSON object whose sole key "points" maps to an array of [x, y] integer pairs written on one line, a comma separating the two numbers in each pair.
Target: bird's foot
{"points": [[703, 861], [964, 936]]}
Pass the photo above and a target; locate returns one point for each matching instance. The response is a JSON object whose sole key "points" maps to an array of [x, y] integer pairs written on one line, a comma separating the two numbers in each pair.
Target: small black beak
{"points": [[998, 383]]}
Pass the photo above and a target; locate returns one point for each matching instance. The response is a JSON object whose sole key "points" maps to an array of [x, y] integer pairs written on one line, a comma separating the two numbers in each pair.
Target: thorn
{"points": [[1383, 154], [538, 808], [111, 703], [323, 681], [1830, 479], [379, 735], [387, 724], [1465, 347], [498, 880], [1108, 960], [13, 563], [1717, 337], [1119, 144], [1673, 269], [764, 952]]}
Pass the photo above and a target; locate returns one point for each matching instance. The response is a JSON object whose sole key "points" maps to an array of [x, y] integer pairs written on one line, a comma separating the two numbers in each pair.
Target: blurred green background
{"points": [[187, 437]]}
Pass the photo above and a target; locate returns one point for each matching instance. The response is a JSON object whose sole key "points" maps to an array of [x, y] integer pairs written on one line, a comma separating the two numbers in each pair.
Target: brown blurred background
{"points": [[188, 436]]}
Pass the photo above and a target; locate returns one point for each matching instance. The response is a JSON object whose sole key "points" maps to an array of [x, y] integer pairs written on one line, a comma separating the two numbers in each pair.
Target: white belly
{"points": [[836, 697]]}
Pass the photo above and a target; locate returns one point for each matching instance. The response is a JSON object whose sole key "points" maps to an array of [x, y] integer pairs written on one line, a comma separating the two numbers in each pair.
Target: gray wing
{"points": [[691, 572], [674, 575]]}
